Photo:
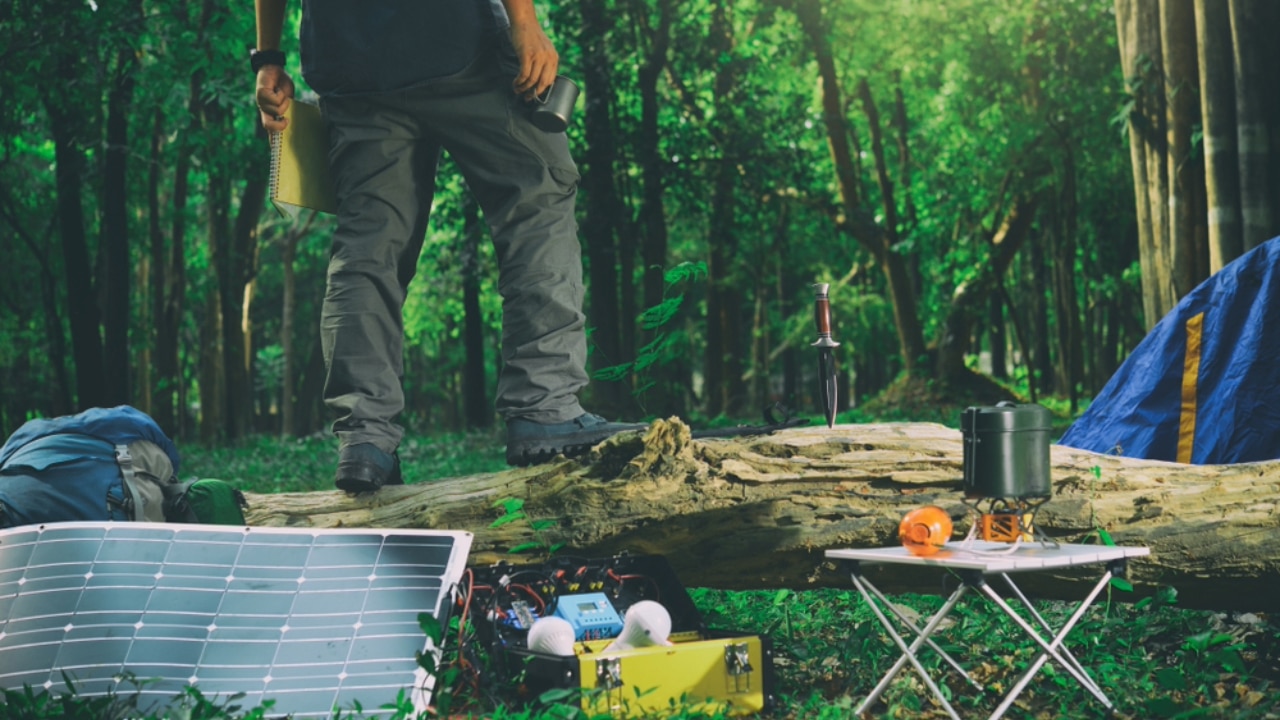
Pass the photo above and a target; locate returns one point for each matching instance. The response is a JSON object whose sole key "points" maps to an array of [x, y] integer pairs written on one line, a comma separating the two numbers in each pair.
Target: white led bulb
{"points": [[646, 623], [552, 636]]}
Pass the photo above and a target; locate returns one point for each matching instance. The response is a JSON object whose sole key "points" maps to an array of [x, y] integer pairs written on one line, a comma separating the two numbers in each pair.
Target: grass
{"points": [[264, 464], [1152, 658]]}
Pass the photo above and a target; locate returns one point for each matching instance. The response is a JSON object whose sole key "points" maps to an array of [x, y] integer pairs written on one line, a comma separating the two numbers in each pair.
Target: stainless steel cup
{"points": [[555, 107]]}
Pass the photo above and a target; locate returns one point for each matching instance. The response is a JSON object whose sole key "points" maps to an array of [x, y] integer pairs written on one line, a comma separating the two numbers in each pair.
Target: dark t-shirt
{"points": [[355, 48]]}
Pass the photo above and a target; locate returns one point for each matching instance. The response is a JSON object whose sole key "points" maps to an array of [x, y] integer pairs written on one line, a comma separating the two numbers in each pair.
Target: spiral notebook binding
{"points": [[277, 143]]}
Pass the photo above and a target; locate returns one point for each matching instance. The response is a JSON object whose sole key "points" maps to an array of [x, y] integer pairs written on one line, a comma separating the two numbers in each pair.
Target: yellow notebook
{"points": [[300, 163]]}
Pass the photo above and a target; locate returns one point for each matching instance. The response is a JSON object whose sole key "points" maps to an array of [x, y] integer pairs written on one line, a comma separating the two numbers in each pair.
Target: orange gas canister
{"points": [[925, 530]]}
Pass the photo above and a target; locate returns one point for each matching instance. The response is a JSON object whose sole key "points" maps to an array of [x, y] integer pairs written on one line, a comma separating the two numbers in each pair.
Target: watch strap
{"points": [[260, 58]]}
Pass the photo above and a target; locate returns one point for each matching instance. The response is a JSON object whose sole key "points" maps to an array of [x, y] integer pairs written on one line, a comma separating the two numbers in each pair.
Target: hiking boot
{"points": [[364, 468], [529, 442]]}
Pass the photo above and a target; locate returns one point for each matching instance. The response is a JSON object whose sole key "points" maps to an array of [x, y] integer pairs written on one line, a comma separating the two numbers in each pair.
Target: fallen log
{"points": [[758, 511]]}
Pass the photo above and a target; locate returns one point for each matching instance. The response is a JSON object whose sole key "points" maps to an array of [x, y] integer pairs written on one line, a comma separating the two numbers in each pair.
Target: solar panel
{"points": [[314, 619]]}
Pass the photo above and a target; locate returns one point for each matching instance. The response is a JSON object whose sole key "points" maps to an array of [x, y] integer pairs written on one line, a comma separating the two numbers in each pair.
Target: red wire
{"points": [[620, 579], [542, 605], [466, 608]]}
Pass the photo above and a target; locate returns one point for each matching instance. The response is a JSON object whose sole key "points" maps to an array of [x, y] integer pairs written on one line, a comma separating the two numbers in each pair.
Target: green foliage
{"points": [[190, 704], [1150, 657], [665, 345], [995, 99], [513, 511]]}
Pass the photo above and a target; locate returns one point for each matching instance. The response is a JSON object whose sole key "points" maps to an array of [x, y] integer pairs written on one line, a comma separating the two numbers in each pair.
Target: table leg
{"points": [[908, 651], [1048, 648], [928, 640], [1081, 674]]}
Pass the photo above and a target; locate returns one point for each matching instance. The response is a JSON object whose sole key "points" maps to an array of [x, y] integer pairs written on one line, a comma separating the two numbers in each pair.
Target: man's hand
{"points": [[274, 93], [538, 58]]}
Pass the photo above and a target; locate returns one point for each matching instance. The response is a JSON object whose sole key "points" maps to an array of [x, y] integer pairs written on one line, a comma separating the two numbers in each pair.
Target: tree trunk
{"points": [[628, 294], [1186, 179], [1040, 364], [86, 344], [649, 157], [888, 205], [809, 13], [169, 285], [670, 377], [759, 512], [212, 384], [241, 270], [288, 425], [115, 231], [1126, 28], [171, 300], [1066, 301], [159, 403], [895, 264], [1020, 336], [1255, 84], [997, 337], [1138, 25], [969, 303], [311, 411], [902, 127], [1218, 117], [288, 300], [602, 212], [477, 411], [216, 418], [790, 288], [759, 339], [726, 391]]}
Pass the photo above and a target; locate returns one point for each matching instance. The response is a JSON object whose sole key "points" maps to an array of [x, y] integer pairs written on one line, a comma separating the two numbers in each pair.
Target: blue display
{"points": [[592, 616]]}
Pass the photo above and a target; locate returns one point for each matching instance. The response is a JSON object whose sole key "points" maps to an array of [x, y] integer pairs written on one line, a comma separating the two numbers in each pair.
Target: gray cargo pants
{"points": [[384, 151]]}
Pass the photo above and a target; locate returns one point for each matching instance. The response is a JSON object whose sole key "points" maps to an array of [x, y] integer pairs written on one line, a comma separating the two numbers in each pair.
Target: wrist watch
{"points": [[259, 58]]}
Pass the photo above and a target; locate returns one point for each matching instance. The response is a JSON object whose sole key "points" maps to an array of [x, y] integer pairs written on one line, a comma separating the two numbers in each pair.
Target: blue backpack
{"points": [[83, 467]]}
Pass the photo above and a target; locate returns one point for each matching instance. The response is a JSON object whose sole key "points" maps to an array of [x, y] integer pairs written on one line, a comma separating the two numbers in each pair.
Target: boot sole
{"points": [[364, 477], [536, 455], [571, 445]]}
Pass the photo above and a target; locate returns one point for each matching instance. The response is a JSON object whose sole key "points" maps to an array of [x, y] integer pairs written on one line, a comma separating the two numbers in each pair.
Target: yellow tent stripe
{"points": [[1190, 374]]}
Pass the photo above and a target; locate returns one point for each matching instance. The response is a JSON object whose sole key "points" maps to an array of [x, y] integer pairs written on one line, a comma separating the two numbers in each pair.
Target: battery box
{"points": [[703, 668]]}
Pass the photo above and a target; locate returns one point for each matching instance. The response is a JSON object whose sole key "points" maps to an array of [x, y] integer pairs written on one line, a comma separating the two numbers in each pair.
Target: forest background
{"points": [[1016, 188]]}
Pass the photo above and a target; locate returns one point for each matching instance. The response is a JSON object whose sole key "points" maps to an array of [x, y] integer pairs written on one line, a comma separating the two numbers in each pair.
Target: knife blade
{"points": [[826, 352]]}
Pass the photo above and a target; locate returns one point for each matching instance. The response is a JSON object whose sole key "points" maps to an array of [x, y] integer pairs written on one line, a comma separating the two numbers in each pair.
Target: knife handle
{"points": [[822, 316]]}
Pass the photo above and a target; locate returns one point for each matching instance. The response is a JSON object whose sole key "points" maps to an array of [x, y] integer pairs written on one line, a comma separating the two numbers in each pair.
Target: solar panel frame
{"points": [[314, 619]]}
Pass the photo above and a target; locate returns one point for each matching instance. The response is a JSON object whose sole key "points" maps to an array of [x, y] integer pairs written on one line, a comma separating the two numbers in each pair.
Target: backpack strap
{"points": [[176, 506], [132, 498]]}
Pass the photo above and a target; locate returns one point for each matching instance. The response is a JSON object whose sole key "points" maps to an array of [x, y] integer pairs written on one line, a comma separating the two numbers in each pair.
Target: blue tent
{"points": [[1203, 386]]}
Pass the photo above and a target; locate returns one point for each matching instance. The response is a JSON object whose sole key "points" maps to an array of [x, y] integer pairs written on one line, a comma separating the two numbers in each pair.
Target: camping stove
{"points": [[1006, 468]]}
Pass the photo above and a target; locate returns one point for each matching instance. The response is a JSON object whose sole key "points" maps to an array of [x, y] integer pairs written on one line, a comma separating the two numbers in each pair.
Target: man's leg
{"points": [[526, 182], [385, 177]]}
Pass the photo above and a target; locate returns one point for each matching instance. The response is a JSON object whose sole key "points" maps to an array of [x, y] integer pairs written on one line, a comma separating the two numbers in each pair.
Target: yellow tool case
{"points": [[697, 668]]}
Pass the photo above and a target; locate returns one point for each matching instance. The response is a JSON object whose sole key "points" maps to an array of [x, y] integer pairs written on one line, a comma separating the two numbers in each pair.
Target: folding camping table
{"points": [[974, 561]]}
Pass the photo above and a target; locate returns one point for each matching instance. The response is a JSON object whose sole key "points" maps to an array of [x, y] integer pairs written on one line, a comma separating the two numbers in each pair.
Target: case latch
{"points": [[609, 673], [737, 663], [737, 658]]}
